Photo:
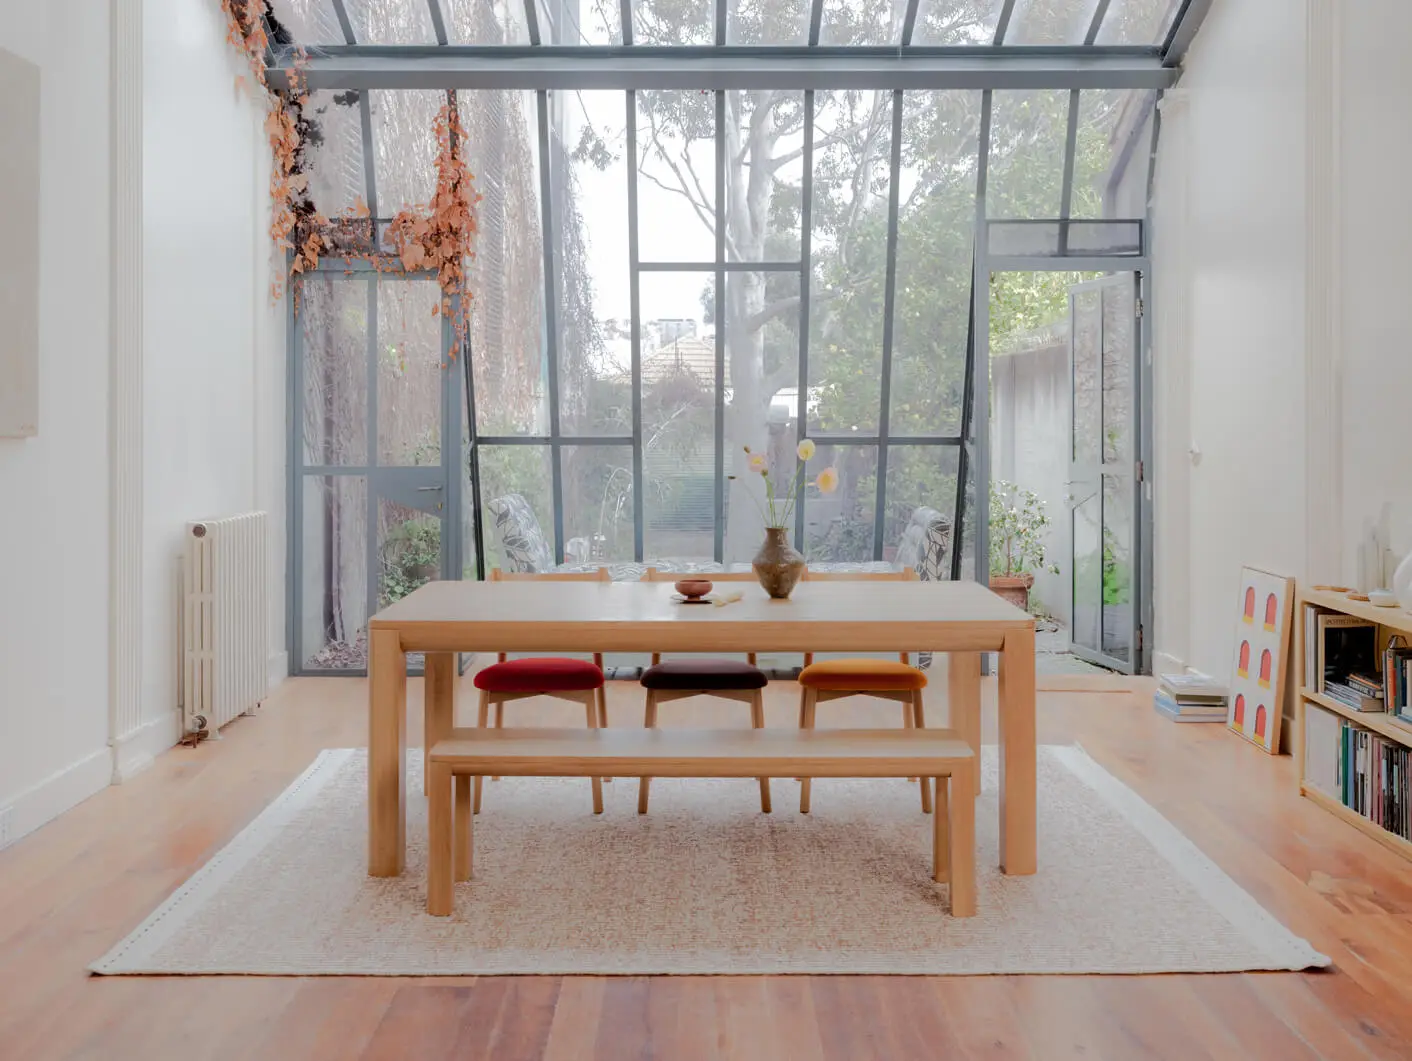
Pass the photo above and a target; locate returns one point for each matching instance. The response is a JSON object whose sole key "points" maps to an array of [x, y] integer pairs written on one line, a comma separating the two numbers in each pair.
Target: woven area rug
{"points": [[707, 884]]}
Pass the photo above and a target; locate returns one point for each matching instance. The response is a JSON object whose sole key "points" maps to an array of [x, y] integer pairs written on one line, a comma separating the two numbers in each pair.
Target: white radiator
{"points": [[225, 620]]}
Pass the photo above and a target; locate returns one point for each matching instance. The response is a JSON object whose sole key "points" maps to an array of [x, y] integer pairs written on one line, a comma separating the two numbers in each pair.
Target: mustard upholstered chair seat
{"points": [[862, 675]]}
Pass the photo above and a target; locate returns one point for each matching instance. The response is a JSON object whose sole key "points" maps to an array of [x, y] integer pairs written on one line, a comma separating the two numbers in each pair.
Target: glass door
{"points": [[1103, 470], [374, 398]]}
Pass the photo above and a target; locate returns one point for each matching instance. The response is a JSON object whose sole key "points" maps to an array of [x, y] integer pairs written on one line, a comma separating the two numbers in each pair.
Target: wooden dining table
{"points": [[441, 619]]}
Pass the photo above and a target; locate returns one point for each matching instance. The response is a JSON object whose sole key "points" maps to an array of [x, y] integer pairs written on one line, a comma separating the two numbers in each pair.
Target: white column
{"points": [[125, 383], [1323, 303]]}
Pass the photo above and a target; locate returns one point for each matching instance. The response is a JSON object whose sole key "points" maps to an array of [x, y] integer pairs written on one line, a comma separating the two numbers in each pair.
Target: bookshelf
{"points": [[1390, 621]]}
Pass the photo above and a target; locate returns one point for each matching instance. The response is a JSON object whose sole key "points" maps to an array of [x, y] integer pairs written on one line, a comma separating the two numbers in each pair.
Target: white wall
{"points": [[53, 487], [213, 375], [1229, 351]]}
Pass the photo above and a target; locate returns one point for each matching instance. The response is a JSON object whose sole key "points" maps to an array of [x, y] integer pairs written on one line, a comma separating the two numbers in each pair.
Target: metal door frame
{"points": [[408, 486]]}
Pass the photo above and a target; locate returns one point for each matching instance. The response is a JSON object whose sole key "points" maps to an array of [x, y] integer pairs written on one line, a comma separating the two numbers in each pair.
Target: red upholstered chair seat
{"points": [[544, 674]]}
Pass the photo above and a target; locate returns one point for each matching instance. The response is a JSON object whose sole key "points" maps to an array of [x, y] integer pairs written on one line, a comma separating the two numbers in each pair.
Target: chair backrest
{"points": [[907, 574], [926, 545], [526, 548], [652, 574], [597, 575]]}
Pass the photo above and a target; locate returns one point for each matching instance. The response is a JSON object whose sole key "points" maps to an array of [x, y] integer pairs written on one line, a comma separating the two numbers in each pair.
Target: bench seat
{"points": [[469, 753]]}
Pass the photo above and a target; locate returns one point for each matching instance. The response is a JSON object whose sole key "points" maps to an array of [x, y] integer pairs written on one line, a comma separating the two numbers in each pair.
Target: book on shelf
{"points": [[1345, 645], [1397, 677], [1353, 696], [1193, 688], [1365, 771]]}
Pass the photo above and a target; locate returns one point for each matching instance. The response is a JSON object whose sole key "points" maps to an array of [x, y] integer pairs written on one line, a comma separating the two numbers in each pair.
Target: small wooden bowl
{"points": [[693, 588]]}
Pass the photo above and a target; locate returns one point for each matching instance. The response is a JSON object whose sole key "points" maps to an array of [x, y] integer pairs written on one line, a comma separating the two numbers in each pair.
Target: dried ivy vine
{"points": [[438, 235]]}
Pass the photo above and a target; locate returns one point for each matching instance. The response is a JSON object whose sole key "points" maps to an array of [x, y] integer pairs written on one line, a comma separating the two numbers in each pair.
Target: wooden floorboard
{"points": [[71, 890]]}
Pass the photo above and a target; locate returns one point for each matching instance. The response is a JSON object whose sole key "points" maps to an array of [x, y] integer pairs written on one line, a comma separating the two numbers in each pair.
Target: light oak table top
{"points": [[635, 616]]}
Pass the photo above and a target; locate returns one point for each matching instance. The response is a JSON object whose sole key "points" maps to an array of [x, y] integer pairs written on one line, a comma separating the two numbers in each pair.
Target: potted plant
{"points": [[1018, 528]]}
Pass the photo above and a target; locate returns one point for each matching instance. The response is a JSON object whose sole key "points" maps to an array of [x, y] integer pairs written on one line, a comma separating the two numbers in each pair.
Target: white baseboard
{"points": [[278, 669], [135, 752], [1165, 663], [58, 792]]}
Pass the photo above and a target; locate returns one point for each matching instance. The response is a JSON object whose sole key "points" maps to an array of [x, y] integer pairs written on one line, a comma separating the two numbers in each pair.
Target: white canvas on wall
{"points": [[1261, 654]]}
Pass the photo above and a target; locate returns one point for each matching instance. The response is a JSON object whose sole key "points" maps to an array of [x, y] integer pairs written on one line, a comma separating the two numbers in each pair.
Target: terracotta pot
{"points": [[693, 588], [777, 565], [1014, 588]]}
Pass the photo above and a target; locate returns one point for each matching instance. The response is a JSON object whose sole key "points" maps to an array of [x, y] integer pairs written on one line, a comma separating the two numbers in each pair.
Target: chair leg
{"points": [[909, 720], [757, 721], [809, 706], [941, 851], [961, 842], [439, 848], [649, 720], [482, 720], [463, 825], [590, 707], [919, 720], [499, 722]]}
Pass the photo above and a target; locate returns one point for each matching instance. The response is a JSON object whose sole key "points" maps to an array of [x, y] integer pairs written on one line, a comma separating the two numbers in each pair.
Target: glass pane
{"points": [[1117, 565], [409, 372], [838, 527], [404, 147], [932, 307], [507, 472], [305, 21], [468, 499], [1087, 514], [765, 176], [594, 284], [921, 485], [485, 21], [676, 191], [337, 182], [678, 416], [1119, 323], [762, 385], [333, 321], [1088, 344], [506, 276], [333, 566], [861, 22], [767, 22], [966, 535], [956, 22], [598, 503], [1026, 175], [390, 21], [682, 22], [1112, 152], [1137, 22], [852, 136], [1050, 22], [408, 550]]}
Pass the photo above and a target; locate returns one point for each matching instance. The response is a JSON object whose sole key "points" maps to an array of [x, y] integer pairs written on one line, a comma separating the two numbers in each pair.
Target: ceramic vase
{"points": [[777, 565], [1402, 582]]}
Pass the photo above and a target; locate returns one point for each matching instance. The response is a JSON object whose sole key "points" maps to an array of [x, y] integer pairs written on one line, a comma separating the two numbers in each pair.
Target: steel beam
{"points": [[889, 301], [1184, 28], [806, 237], [438, 24], [705, 68]]}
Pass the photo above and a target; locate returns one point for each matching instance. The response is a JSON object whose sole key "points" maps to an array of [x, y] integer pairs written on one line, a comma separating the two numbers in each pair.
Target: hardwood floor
{"points": [[71, 890]]}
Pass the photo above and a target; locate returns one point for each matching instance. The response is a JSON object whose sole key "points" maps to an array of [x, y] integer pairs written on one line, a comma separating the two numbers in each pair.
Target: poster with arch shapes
{"points": [[1260, 657]]}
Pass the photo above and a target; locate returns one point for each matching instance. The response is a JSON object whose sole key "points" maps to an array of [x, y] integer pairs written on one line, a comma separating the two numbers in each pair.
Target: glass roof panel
{"points": [[390, 21], [308, 21], [767, 22], [861, 22], [485, 22], [956, 22], [673, 21], [1138, 21], [1050, 22]]}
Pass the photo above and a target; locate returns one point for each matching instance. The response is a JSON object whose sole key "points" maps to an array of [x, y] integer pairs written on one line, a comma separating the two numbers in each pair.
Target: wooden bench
{"points": [[467, 754]]}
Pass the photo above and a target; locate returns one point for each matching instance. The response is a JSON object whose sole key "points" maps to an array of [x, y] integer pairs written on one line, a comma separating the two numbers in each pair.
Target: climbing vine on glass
{"points": [[438, 235]]}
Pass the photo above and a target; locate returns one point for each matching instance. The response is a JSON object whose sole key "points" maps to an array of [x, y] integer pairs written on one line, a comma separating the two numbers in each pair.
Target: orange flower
{"points": [[827, 482]]}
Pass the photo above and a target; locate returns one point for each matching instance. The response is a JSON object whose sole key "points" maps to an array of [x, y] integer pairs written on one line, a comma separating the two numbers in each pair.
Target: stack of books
{"points": [[1191, 697], [1357, 691]]}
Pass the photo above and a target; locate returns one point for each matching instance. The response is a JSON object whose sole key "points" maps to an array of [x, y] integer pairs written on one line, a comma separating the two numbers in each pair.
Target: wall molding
{"points": [[1323, 288], [134, 752], [66, 788], [125, 436]]}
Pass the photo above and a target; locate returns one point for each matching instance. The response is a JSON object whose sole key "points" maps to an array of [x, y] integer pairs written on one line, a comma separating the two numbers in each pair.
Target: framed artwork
{"points": [[1261, 654]]}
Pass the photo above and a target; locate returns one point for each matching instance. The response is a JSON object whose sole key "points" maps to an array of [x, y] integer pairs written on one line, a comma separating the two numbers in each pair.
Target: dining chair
{"points": [[726, 679], [576, 680], [884, 679]]}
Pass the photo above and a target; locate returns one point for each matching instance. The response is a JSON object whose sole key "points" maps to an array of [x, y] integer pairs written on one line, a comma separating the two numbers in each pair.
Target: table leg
{"points": [[963, 698], [387, 754], [1017, 753], [438, 705]]}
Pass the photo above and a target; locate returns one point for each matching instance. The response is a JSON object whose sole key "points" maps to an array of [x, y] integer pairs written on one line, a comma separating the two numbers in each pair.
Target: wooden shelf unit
{"points": [[1392, 621]]}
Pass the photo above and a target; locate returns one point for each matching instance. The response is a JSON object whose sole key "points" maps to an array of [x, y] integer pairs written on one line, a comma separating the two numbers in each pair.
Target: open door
{"points": [[1104, 472]]}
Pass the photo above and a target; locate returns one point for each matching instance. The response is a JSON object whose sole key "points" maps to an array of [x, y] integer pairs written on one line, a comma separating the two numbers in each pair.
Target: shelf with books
{"points": [[1355, 764]]}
